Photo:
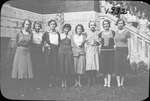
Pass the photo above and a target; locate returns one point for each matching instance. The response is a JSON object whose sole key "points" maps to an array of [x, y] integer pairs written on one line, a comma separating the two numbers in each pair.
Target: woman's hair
{"points": [[79, 25], [52, 21], [106, 20], [119, 21], [92, 21], [36, 22], [67, 26], [25, 21]]}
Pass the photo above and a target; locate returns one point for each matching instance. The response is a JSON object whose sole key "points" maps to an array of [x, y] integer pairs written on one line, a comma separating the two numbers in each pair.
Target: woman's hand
{"points": [[46, 45], [43, 49], [128, 57]]}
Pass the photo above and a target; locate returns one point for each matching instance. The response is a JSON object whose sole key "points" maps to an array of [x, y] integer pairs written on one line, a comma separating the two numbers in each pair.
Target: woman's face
{"points": [[120, 25], [27, 25], [37, 27], [92, 26], [143, 15], [106, 25], [79, 29], [52, 25], [66, 30]]}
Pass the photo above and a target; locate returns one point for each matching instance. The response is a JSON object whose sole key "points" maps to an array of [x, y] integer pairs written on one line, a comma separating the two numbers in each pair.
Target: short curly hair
{"points": [[90, 23], [36, 22], [52, 21], [25, 21], [106, 20], [67, 26], [80, 26], [119, 21]]}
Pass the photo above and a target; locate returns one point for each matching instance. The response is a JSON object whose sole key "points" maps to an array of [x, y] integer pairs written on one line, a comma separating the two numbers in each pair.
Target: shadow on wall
{"points": [[4, 41]]}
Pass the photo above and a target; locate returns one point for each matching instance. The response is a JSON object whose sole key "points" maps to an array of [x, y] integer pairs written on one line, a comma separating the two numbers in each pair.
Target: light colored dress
{"points": [[22, 66], [78, 52], [37, 37], [92, 51]]}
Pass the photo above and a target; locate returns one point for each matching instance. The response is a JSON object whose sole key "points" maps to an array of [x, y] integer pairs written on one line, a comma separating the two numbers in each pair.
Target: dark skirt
{"points": [[37, 59], [121, 62], [66, 67], [51, 58], [107, 61]]}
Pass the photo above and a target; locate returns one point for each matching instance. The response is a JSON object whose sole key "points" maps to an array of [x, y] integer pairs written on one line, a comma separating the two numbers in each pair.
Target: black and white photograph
{"points": [[75, 50]]}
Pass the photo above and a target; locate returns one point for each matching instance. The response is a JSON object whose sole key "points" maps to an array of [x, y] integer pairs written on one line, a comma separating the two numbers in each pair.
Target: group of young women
{"points": [[65, 55]]}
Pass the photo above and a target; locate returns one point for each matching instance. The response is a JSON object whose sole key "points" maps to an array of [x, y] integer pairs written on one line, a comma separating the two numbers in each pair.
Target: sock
{"points": [[109, 80], [118, 81], [122, 81], [105, 81]]}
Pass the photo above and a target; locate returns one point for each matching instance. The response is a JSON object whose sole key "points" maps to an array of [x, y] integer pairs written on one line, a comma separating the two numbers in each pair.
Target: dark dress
{"points": [[36, 55], [107, 53], [65, 56], [121, 52], [50, 57]]}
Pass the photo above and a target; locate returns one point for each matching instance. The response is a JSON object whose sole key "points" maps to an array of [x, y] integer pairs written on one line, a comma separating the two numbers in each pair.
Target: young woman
{"points": [[50, 43], [65, 56], [121, 52], [36, 51], [107, 51], [22, 66], [78, 39], [92, 53]]}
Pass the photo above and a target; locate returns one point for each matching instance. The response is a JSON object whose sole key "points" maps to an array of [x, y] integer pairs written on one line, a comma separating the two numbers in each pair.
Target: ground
{"points": [[136, 89]]}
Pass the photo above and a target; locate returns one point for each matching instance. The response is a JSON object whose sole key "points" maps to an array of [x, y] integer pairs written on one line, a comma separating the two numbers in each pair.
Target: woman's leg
{"points": [[79, 80], [76, 75], [122, 81], [94, 72], [108, 80], [105, 81], [118, 81], [88, 78]]}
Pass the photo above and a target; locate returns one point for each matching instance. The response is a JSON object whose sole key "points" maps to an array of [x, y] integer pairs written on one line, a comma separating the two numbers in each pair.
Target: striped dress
{"points": [[92, 51]]}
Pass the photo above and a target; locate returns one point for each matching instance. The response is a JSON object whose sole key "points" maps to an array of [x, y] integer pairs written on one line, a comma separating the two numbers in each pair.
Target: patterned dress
{"points": [[78, 52], [22, 66], [92, 51]]}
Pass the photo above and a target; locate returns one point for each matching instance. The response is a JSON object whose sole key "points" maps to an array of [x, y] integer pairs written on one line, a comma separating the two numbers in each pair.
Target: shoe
{"points": [[22, 95], [108, 86], [119, 86], [37, 88], [50, 85], [105, 85], [76, 84], [79, 85], [122, 86]]}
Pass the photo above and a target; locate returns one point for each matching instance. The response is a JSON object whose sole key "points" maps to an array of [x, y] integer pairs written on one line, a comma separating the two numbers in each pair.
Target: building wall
{"points": [[12, 18]]}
